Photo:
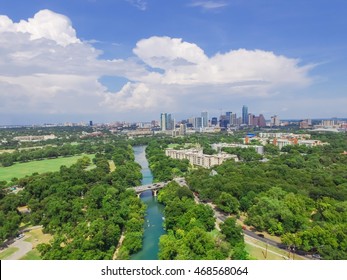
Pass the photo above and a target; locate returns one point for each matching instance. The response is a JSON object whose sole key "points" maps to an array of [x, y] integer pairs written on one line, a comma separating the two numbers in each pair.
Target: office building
{"points": [[198, 122], [233, 119], [169, 122], [223, 121], [261, 121], [163, 121], [214, 121], [250, 119], [204, 116], [275, 121], [244, 114]]}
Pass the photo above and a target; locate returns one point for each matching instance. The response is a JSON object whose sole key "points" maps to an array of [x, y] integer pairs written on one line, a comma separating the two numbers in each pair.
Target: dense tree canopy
{"points": [[299, 193], [86, 210]]}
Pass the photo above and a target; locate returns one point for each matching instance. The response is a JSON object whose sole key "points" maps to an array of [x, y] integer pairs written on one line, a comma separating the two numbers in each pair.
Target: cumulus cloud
{"points": [[45, 24], [166, 52], [45, 68], [186, 64]]}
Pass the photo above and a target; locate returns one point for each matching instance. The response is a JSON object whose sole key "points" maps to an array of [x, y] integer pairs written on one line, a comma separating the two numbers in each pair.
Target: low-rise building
{"points": [[219, 146], [139, 132], [34, 138]]}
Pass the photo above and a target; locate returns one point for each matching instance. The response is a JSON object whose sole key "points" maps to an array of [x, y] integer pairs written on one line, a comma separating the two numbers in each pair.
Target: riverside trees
{"points": [[191, 229]]}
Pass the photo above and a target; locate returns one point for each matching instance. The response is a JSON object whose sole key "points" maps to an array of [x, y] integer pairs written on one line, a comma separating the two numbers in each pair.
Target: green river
{"points": [[154, 216]]}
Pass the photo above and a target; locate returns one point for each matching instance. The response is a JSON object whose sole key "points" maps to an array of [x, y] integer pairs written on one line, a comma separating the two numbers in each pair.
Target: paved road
{"points": [[23, 246], [256, 236]]}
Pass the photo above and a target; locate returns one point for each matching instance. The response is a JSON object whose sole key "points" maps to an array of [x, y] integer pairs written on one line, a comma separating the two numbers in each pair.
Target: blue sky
{"points": [[114, 60]]}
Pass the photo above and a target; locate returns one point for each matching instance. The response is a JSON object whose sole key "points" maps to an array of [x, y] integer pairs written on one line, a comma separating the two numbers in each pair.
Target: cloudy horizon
{"points": [[51, 74]]}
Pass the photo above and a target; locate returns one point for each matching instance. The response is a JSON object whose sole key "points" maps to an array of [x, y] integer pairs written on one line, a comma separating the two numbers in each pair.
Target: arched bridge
{"points": [[155, 187]]}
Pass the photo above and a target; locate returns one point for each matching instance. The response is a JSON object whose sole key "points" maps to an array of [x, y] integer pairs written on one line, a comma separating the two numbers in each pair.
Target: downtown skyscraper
{"points": [[244, 114]]}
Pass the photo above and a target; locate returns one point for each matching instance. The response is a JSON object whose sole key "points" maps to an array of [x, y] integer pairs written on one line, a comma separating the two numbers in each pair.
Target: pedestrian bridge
{"points": [[155, 187]]}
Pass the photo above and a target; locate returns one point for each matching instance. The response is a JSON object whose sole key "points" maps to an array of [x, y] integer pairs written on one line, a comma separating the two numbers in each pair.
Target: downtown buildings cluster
{"points": [[203, 123]]}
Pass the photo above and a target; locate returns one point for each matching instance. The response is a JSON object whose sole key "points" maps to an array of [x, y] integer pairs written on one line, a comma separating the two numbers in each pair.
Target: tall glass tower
{"points": [[163, 121], [204, 116], [244, 114]]}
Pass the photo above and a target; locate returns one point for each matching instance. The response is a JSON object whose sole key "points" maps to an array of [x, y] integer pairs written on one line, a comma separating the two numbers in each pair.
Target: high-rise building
{"points": [[169, 122], [244, 114], [163, 121], [255, 121], [214, 121], [223, 121], [90, 123], [198, 122], [204, 116], [228, 114], [183, 129], [233, 119], [261, 121], [191, 122], [275, 121], [250, 119]]}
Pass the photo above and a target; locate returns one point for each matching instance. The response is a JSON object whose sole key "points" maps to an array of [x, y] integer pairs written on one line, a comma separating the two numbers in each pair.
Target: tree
{"points": [[227, 203], [233, 232]]}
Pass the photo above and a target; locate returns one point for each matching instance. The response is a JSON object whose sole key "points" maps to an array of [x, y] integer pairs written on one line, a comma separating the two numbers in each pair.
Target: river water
{"points": [[154, 215]]}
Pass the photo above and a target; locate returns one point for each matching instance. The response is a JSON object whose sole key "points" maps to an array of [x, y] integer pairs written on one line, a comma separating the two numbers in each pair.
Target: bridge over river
{"points": [[155, 187]]}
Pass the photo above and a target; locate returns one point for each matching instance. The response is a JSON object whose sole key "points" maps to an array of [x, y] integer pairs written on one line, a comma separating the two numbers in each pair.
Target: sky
{"points": [[130, 60]]}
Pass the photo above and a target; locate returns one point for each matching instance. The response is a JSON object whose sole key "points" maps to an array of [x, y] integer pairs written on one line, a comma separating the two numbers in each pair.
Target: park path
{"points": [[23, 246], [120, 242]]}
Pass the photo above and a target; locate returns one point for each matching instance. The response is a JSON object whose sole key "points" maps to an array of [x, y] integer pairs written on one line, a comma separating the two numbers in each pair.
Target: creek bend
{"points": [[153, 225]]}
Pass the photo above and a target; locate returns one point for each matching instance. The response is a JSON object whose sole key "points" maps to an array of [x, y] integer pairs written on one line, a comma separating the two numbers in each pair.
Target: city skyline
{"points": [[131, 60]]}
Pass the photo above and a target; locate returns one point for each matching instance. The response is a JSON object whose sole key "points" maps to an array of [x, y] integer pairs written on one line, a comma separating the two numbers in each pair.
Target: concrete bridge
{"points": [[155, 187]]}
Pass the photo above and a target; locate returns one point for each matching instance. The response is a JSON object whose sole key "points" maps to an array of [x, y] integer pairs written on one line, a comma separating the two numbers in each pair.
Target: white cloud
{"points": [[186, 64], [45, 68], [209, 4], [140, 4], [45, 24], [166, 52]]}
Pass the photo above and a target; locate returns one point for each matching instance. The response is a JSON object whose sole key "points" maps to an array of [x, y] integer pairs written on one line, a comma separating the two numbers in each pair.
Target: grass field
{"points": [[7, 252], [20, 170], [257, 250], [32, 255]]}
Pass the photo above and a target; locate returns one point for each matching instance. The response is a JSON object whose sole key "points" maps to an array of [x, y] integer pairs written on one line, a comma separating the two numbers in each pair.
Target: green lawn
{"points": [[259, 253], [7, 252], [20, 170], [32, 255]]}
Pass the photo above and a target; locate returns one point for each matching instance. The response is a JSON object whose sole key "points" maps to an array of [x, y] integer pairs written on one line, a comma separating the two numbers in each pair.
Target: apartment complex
{"points": [[219, 146], [34, 138], [197, 157], [283, 139]]}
